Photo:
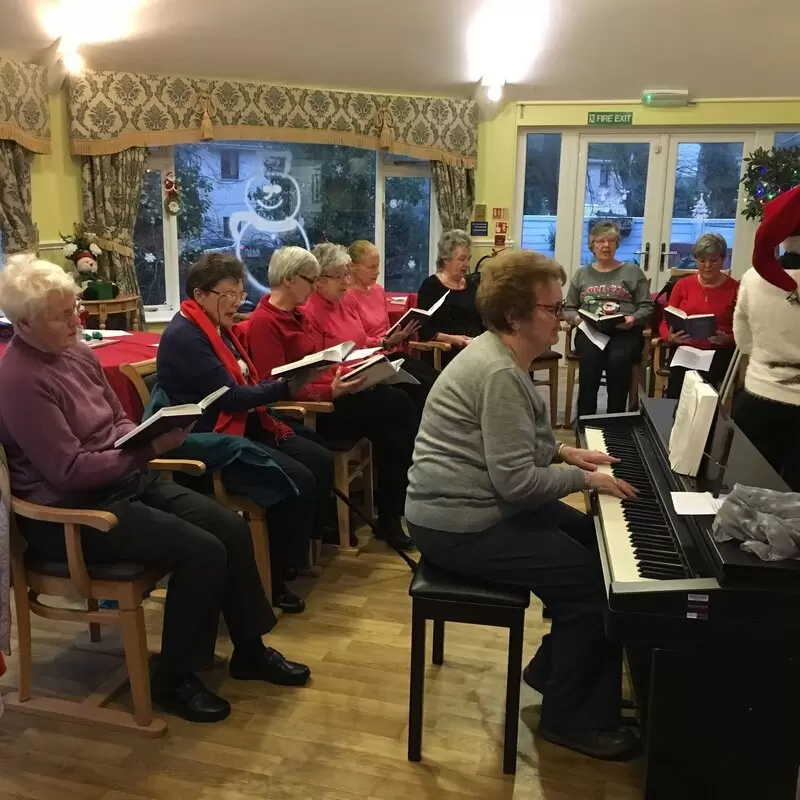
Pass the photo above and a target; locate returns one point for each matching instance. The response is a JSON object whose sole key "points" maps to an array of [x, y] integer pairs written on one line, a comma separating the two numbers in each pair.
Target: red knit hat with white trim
{"points": [[781, 221]]}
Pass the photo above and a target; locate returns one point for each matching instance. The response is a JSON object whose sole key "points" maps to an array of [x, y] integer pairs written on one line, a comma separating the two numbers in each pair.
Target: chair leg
{"points": [[554, 396], [94, 627], [438, 642], [417, 684], [341, 479], [633, 392], [570, 391], [513, 679], [23, 636], [368, 482], [134, 639], [259, 533]]}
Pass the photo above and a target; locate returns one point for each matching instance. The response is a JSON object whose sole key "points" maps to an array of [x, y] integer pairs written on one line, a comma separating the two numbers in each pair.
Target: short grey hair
{"points": [[710, 244], [287, 263], [448, 242], [605, 229], [331, 257], [27, 284]]}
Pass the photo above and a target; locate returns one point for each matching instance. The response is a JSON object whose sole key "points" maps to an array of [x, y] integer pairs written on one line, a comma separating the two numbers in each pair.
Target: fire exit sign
{"points": [[611, 118]]}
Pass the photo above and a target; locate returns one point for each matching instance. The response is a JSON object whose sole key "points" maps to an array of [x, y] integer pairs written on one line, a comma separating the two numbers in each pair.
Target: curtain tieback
{"points": [[206, 108], [386, 125]]}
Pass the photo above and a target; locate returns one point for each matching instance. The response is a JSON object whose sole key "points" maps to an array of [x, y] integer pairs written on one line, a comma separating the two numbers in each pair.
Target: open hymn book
{"points": [[339, 354], [693, 420], [167, 419], [420, 315], [379, 369]]}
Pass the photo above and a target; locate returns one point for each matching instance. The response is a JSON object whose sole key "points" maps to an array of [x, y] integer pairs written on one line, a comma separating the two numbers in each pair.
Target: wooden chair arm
{"points": [[184, 465], [304, 406], [427, 347], [99, 520]]}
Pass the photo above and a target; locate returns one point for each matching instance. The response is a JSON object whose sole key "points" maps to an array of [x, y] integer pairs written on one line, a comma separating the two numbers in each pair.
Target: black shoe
{"points": [[289, 602], [269, 666], [191, 700], [390, 530], [615, 745]]}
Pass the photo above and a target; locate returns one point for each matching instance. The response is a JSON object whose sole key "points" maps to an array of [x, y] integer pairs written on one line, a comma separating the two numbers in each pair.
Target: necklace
{"points": [[450, 283]]}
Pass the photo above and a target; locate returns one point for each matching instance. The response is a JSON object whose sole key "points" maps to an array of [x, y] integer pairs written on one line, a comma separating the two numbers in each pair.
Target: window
{"points": [[229, 165], [276, 201], [540, 192], [605, 173], [785, 139]]}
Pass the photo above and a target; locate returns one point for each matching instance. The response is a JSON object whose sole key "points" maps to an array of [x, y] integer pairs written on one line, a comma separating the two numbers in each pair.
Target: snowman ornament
{"points": [[266, 198]]}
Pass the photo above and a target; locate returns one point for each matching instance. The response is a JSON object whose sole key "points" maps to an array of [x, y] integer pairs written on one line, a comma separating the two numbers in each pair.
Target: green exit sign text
{"points": [[610, 118]]}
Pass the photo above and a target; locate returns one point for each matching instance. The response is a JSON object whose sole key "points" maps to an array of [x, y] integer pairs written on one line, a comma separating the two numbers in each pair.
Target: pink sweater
{"points": [[59, 420], [370, 307], [331, 323]]}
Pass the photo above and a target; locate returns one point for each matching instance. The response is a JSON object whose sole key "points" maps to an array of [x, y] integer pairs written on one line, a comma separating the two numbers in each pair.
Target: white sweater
{"points": [[767, 328]]}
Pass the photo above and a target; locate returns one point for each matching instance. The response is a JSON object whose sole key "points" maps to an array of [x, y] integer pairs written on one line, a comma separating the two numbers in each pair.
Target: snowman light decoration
{"points": [[264, 199], [83, 254]]}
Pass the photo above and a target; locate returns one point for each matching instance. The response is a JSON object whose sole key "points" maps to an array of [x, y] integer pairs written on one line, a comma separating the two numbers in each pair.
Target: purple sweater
{"points": [[59, 419]]}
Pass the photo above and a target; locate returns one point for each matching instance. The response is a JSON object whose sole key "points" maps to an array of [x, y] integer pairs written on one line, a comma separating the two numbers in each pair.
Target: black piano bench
{"points": [[445, 597]]}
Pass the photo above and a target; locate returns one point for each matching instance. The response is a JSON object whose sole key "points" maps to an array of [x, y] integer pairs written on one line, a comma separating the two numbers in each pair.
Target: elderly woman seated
{"points": [[334, 315], [279, 332], [59, 419], [458, 320], [710, 291], [199, 353], [483, 500]]}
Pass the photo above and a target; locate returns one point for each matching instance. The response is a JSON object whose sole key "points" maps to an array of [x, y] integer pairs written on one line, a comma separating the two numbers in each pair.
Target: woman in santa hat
{"points": [[766, 326]]}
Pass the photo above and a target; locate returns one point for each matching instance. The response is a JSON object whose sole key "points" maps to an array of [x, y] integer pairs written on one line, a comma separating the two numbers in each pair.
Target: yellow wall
{"points": [[56, 179], [497, 139]]}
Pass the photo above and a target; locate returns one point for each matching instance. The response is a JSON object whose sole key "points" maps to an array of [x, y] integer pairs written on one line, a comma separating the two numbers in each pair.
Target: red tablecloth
{"points": [[136, 347], [395, 310]]}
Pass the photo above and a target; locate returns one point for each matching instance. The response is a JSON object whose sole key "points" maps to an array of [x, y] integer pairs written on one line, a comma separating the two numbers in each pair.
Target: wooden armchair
{"points": [[437, 348], [126, 583], [638, 371], [142, 374], [352, 459]]}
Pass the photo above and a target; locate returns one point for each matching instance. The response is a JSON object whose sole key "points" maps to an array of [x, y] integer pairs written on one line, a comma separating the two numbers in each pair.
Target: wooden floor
{"points": [[343, 737]]}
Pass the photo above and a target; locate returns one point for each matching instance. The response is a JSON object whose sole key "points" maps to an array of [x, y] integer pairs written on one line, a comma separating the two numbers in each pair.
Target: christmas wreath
{"points": [[769, 173]]}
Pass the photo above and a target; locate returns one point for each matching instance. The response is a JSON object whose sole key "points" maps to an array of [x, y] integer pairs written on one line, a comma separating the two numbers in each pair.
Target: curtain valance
{"points": [[24, 111], [112, 111]]}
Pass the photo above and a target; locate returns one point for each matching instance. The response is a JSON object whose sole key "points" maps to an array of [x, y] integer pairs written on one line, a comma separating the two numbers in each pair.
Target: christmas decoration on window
{"points": [[82, 250], [172, 195], [769, 173]]}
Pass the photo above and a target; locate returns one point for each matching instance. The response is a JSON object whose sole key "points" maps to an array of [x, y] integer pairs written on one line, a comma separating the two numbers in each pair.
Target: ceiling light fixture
{"points": [[494, 94]]}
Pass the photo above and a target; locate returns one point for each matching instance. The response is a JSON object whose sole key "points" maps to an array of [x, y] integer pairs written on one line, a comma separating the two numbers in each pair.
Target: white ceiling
{"points": [[593, 49]]}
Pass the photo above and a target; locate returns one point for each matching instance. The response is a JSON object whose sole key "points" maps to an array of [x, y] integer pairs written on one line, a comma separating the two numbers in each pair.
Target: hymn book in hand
{"points": [[698, 326], [167, 419], [420, 315], [324, 358], [379, 369], [604, 324]]}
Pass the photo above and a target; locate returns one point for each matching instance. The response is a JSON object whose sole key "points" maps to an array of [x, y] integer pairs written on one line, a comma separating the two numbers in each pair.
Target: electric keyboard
{"points": [[711, 633]]}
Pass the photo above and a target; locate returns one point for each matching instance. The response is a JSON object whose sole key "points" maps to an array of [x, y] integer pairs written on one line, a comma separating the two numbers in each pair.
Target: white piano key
{"points": [[621, 558]]}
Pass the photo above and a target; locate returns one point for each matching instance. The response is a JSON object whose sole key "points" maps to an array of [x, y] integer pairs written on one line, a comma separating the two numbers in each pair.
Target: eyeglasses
{"points": [[231, 297], [339, 276], [556, 309], [310, 281], [68, 316]]}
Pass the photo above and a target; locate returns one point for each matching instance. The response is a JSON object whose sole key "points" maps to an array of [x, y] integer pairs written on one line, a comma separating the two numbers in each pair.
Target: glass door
{"points": [[621, 180], [410, 224], [703, 195]]}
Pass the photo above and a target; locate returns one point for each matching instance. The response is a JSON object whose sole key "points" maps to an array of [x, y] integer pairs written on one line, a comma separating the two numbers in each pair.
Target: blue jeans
{"points": [[552, 551]]}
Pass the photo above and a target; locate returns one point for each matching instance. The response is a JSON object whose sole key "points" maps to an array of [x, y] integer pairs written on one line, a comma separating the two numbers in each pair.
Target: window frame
{"points": [[228, 152]]}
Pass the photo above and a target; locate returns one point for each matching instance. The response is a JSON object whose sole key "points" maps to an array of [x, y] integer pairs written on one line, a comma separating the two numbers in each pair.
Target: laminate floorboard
{"points": [[341, 738]]}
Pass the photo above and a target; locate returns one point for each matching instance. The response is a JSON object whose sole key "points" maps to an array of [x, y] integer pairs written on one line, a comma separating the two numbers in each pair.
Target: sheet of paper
{"points": [[399, 300], [595, 337], [692, 358], [108, 334], [358, 355], [695, 504]]}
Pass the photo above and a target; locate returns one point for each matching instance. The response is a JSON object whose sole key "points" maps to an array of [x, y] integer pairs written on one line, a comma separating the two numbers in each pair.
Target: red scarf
{"points": [[236, 422]]}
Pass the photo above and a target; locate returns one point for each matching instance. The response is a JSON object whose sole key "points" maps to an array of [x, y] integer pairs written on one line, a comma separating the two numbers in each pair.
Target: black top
{"points": [[458, 315], [189, 369]]}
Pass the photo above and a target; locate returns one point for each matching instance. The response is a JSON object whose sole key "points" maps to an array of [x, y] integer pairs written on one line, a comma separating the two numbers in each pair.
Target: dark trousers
{"points": [[295, 521], [774, 428], [623, 350], [424, 373], [715, 375], [386, 417], [552, 551], [206, 548]]}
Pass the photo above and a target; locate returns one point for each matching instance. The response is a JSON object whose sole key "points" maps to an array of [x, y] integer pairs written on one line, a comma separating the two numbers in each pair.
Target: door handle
{"points": [[665, 254], [646, 253]]}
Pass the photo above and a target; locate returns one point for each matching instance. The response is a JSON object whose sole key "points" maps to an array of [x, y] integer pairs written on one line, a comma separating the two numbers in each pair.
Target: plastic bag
{"points": [[766, 522]]}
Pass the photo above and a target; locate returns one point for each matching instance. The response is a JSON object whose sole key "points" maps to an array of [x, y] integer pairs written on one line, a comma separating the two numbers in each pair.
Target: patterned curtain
{"points": [[16, 224], [455, 194], [111, 186]]}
